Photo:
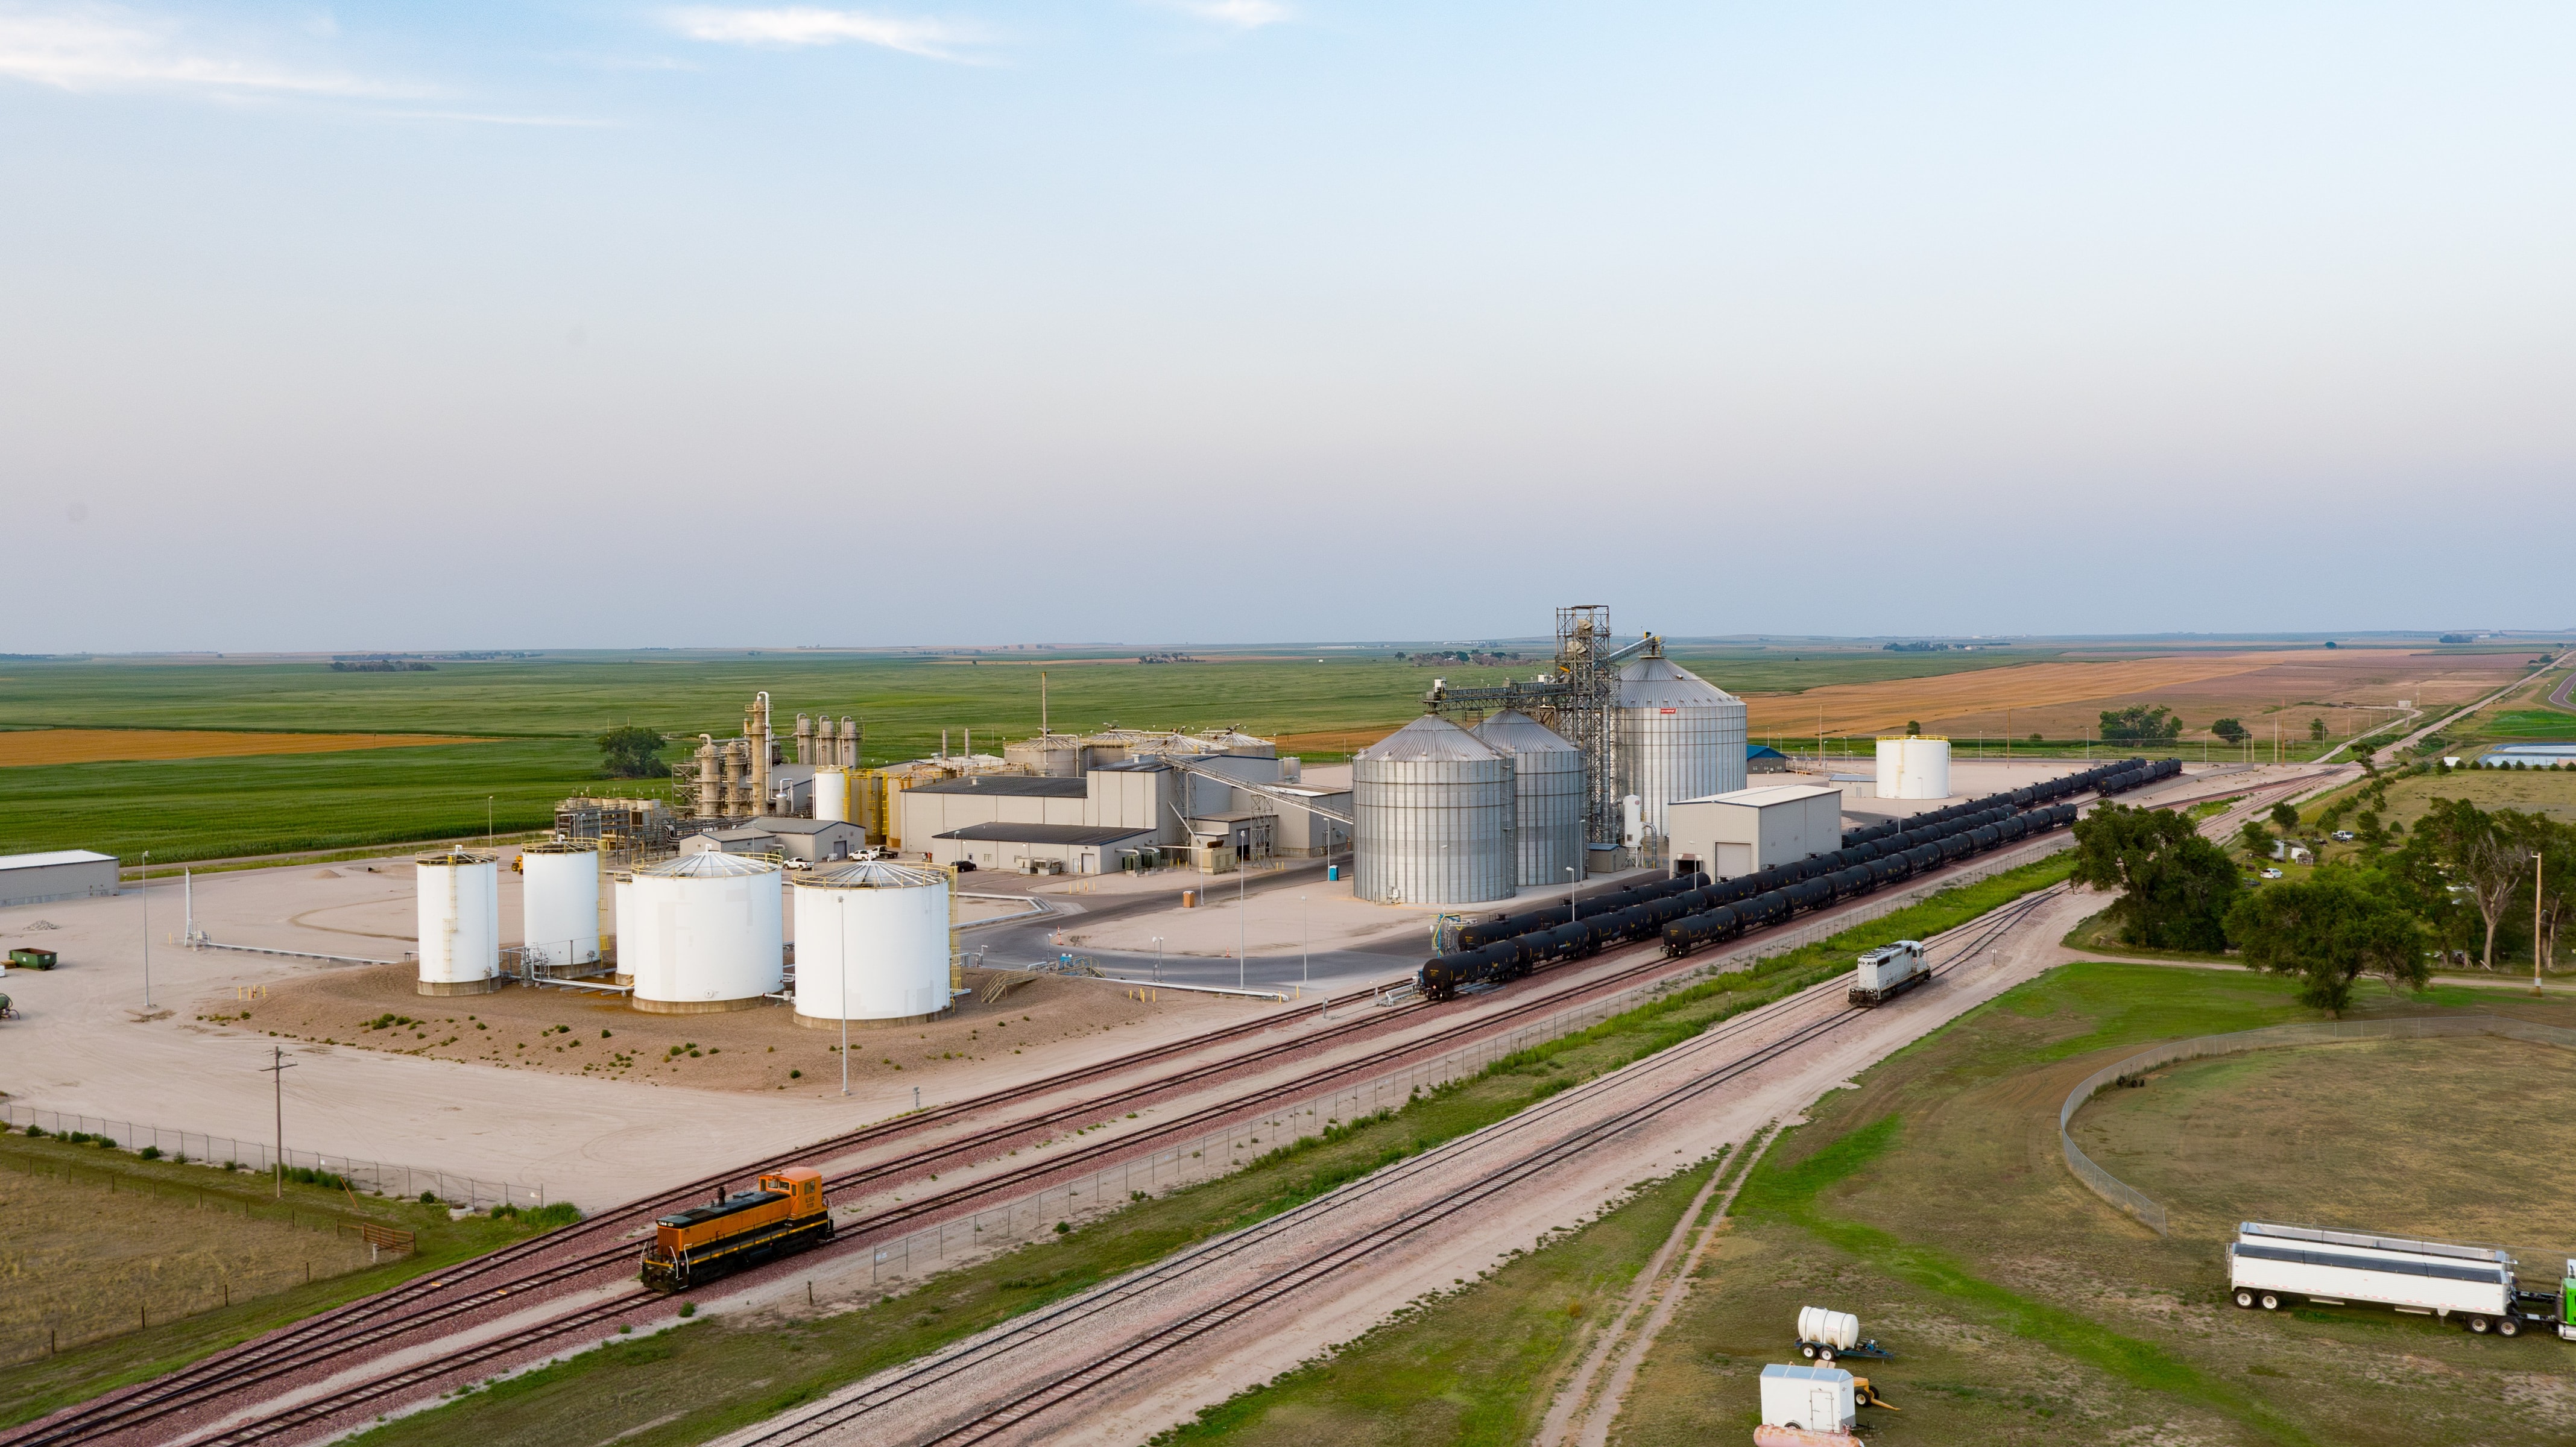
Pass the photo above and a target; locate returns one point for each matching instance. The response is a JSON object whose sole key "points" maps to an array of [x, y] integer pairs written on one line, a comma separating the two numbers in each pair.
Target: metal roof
{"points": [[1039, 785], [1078, 834], [871, 874], [1804, 1373], [1763, 796], [1515, 732], [790, 825], [707, 864], [1662, 683], [57, 856], [1429, 737]]}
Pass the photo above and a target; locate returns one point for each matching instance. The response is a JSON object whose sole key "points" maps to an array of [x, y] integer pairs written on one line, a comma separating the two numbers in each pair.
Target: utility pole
{"points": [[277, 1069], [2536, 858], [147, 929]]}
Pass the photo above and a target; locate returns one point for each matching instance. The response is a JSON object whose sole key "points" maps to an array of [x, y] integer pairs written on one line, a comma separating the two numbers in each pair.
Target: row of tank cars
{"points": [[1691, 911]]}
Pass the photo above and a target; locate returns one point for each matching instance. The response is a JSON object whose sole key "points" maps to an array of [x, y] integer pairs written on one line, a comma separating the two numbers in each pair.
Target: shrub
{"points": [[796, 1075], [688, 1308], [429, 1198], [35, 1132], [151, 1153], [552, 1215]]}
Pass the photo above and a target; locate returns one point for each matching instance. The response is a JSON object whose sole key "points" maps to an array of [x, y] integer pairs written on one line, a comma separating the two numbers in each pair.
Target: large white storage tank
{"points": [[1913, 768], [1547, 775], [831, 794], [620, 922], [559, 904], [1674, 735], [1434, 809], [871, 944], [705, 934], [459, 898]]}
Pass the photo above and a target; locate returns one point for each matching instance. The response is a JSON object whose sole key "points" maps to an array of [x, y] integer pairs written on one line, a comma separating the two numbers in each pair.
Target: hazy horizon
{"points": [[433, 328]]}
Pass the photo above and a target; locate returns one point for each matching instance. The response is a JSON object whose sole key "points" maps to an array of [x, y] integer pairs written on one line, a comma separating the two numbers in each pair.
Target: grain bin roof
{"points": [[1515, 732], [872, 874], [1662, 683], [1428, 737], [707, 864]]}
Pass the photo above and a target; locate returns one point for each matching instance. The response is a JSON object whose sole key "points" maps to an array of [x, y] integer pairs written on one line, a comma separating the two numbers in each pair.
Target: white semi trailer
{"points": [[2268, 1265]]}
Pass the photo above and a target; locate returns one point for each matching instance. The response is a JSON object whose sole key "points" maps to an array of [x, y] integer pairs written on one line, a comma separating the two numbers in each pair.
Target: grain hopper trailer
{"points": [[1887, 972], [2269, 1264]]}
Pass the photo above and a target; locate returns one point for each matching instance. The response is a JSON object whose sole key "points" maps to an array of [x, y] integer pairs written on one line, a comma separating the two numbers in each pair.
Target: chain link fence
{"points": [[2147, 1209], [372, 1176]]}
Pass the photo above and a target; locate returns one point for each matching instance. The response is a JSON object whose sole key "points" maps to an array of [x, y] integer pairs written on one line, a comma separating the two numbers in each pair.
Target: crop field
{"points": [[1931, 1201], [20, 748], [2064, 699]]}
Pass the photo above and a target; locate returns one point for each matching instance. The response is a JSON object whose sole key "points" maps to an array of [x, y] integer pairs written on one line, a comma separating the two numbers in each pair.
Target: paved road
{"points": [[2389, 753], [2558, 696]]}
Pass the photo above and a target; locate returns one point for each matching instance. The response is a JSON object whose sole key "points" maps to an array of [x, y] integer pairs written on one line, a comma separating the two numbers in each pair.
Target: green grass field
{"points": [[544, 711]]}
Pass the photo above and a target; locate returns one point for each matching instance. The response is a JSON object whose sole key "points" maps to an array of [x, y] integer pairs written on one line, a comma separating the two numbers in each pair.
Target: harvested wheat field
{"points": [[2062, 699], [22, 747]]}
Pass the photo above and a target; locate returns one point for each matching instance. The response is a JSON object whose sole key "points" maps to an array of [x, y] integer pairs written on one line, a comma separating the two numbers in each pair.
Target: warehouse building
{"points": [[59, 874], [1040, 848], [815, 841], [1750, 830]]}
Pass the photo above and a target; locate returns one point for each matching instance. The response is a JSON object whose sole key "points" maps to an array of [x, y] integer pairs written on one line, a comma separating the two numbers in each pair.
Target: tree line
{"points": [[2464, 883]]}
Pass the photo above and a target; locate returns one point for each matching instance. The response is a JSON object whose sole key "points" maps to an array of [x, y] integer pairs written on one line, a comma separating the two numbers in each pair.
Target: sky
{"points": [[593, 324]]}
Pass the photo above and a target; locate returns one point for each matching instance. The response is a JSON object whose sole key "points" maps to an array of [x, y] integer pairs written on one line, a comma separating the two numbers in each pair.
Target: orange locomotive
{"points": [[783, 1213]]}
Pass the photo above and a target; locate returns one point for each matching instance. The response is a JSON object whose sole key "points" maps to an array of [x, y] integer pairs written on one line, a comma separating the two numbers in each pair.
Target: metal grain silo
{"points": [[559, 904], [1434, 807], [459, 901], [878, 930], [1674, 736], [706, 934], [1547, 777]]}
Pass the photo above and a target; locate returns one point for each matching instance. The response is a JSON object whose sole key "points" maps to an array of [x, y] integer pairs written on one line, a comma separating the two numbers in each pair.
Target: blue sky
{"points": [[398, 326]]}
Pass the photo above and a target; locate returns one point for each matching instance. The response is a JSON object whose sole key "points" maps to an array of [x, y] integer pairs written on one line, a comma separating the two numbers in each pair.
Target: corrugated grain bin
{"points": [[1435, 808]]}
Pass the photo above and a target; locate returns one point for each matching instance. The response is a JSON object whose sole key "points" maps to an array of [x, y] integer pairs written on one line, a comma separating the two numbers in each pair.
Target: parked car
{"points": [[2343, 836], [2271, 874]]}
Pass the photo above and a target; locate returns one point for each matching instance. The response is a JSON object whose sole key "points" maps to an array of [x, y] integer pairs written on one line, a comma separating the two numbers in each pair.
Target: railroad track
{"points": [[976, 1358], [540, 1263]]}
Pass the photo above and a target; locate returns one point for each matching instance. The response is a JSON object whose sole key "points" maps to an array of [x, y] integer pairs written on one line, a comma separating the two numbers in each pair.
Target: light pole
{"points": [[1306, 941], [487, 820], [1569, 894], [1242, 931], [147, 929], [841, 912], [277, 1068], [1158, 959]]}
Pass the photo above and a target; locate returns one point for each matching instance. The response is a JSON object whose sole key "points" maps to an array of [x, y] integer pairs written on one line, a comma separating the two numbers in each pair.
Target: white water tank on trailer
{"points": [[1837, 1329], [871, 944], [831, 794], [1914, 768], [559, 904], [459, 897], [707, 934]]}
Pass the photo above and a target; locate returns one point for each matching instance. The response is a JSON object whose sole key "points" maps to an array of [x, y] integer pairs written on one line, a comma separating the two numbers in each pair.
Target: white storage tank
{"points": [[879, 928], [1434, 808], [1913, 768], [1674, 736], [705, 934], [831, 794], [559, 904], [1547, 776], [459, 895]]}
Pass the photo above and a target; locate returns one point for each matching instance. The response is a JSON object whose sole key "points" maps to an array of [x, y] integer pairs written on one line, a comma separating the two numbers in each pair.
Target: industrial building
{"points": [[1209, 809], [56, 874], [1751, 830], [1614, 734], [812, 841]]}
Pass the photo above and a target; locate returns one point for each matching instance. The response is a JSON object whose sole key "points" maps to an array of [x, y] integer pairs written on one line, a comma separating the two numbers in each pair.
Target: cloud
{"points": [[1241, 14], [801, 25], [101, 47]]}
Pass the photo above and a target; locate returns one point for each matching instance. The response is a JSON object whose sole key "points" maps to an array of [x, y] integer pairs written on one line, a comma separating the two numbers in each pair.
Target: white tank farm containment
{"points": [[1434, 808], [704, 933], [831, 795], [1674, 736], [460, 922], [559, 904], [878, 930], [1547, 780], [1913, 768]]}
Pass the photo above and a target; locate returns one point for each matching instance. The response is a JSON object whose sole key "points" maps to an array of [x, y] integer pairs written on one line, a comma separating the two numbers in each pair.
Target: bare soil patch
{"points": [[568, 1032], [24, 747]]}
